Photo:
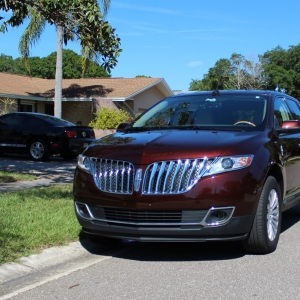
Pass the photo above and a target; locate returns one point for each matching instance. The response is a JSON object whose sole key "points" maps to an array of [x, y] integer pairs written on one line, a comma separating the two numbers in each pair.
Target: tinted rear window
{"points": [[55, 121]]}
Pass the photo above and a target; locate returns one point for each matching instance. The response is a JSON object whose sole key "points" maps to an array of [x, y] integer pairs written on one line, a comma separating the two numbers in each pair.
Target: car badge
{"points": [[137, 180], [83, 134]]}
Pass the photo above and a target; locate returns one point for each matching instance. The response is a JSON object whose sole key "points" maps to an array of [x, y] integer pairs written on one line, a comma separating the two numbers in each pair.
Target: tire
{"points": [[38, 150], [264, 235]]}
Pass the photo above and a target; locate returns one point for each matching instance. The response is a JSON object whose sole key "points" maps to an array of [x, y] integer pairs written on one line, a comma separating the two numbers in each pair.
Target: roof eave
{"points": [[22, 97], [161, 85]]}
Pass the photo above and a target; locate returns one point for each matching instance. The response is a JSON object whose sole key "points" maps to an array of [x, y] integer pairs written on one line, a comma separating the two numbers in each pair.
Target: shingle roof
{"points": [[114, 88]]}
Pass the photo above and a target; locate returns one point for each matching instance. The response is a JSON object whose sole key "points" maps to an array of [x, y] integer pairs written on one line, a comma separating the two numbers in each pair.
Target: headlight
{"points": [[84, 163], [228, 163]]}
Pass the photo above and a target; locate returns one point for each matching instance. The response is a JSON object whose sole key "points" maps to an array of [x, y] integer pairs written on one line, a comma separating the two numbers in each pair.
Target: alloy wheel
{"points": [[272, 214], [37, 150]]}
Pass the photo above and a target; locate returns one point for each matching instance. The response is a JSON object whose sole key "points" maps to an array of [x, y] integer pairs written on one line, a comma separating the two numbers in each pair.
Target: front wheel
{"points": [[38, 150], [264, 235]]}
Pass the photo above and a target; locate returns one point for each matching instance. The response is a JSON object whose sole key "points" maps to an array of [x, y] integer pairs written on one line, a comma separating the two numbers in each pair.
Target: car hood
{"points": [[151, 146]]}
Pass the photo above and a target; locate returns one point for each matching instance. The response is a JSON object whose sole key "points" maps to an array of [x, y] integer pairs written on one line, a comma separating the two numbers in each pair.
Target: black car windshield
{"points": [[205, 111]]}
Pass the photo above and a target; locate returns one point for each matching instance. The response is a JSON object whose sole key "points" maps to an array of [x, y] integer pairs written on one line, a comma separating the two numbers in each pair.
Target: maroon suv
{"points": [[203, 166]]}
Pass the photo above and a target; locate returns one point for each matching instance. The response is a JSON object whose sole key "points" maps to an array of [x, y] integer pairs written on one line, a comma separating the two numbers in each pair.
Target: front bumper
{"points": [[78, 145], [236, 228]]}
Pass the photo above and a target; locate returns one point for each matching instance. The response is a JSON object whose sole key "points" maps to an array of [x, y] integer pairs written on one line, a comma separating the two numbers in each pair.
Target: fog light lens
{"points": [[82, 210], [218, 216]]}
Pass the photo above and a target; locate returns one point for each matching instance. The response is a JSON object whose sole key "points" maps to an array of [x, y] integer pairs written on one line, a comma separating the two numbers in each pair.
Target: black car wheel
{"points": [[38, 150], [264, 235]]}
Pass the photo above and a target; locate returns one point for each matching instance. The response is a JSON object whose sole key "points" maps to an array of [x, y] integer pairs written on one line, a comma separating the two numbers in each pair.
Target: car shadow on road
{"points": [[170, 251]]}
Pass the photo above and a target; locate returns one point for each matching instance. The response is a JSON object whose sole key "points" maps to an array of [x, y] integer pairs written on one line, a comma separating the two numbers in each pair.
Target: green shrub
{"points": [[108, 118]]}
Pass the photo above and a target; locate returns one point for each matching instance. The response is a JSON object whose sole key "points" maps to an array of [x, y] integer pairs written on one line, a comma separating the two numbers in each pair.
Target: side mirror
{"points": [[289, 127], [122, 126]]}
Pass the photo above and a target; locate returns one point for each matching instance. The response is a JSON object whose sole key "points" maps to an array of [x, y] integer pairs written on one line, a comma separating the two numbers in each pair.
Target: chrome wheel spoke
{"points": [[37, 150], [272, 215]]}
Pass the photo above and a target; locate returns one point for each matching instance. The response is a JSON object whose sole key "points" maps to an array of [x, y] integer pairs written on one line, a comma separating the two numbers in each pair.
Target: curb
{"points": [[51, 264]]}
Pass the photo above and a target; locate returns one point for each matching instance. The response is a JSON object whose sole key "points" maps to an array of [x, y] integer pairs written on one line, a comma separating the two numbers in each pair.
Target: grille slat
{"points": [[165, 177], [142, 217], [113, 176], [173, 177], [146, 218]]}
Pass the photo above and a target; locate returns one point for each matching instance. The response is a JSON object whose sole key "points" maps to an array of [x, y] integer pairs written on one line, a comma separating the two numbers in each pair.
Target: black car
{"points": [[41, 135]]}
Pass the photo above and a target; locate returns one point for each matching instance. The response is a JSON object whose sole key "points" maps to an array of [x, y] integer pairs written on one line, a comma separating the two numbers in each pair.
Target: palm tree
{"points": [[31, 36]]}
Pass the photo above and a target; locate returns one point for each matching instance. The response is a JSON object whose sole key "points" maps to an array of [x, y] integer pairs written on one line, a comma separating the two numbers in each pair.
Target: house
{"points": [[82, 97]]}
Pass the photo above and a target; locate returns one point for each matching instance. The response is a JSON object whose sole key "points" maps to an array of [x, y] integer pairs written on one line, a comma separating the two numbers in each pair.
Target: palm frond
{"points": [[32, 33]]}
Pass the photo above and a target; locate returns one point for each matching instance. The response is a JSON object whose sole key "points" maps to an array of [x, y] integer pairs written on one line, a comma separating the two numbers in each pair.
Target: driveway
{"points": [[55, 169]]}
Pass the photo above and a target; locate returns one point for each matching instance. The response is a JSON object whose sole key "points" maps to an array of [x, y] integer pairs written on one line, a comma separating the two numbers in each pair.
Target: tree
{"points": [[78, 18], [282, 69], [45, 67], [247, 74], [7, 105], [217, 77], [6, 63], [238, 69], [234, 73]]}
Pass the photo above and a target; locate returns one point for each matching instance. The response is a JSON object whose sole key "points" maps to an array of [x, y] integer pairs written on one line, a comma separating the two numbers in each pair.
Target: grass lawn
{"points": [[12, 177], [31, 220]]}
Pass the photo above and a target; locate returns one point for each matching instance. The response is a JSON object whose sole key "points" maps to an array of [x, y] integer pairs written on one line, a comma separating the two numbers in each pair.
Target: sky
{"points": [[180, 40]]}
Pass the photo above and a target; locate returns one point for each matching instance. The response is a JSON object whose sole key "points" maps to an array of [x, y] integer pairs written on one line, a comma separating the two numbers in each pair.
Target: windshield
{"points": [[207, 111]]}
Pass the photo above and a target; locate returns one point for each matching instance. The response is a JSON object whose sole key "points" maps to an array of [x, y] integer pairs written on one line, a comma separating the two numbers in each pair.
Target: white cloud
{"points": [[194, 64]]}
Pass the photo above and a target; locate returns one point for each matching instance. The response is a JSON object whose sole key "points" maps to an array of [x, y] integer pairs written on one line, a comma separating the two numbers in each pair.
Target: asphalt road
{"points": [[132, 270]]}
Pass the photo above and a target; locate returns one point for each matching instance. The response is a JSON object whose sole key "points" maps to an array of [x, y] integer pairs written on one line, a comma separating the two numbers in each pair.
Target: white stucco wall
{"points": [[146, 99]]}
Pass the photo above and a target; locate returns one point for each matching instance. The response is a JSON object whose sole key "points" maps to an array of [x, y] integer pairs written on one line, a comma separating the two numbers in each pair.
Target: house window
{"points": [[26, 107], [49, 109]]}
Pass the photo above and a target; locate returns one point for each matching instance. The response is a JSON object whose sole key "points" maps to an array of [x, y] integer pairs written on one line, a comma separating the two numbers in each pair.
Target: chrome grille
{"points": [[173, 177], [113, 176]]}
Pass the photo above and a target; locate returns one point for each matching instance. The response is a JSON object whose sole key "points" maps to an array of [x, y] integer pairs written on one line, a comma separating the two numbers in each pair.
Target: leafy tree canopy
{"points": [[234, 73], [45, 67], [277, 69], [80, 18], [282, 69]]}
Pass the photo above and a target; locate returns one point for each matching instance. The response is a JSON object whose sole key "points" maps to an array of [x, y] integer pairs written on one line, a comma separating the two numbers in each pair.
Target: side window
{"points": [[12, 120], [281, 112], [294, 107], [35, 122]]}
